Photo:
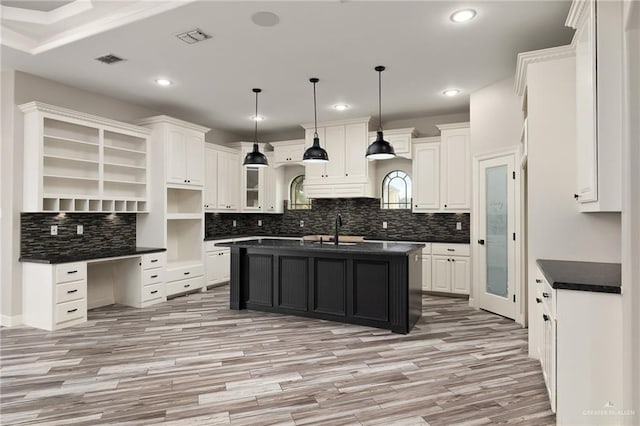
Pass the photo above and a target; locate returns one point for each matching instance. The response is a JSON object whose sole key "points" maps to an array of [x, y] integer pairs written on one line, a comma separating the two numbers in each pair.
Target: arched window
{"points": [[396, 190], [297, 199]]}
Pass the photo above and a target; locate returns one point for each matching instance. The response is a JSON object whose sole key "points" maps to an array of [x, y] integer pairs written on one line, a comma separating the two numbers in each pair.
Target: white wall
{"points": [[556, 229], [496, 118]]}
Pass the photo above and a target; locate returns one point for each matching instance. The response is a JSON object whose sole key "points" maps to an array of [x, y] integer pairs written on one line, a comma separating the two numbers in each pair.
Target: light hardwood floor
{"points": [[193, 361]]}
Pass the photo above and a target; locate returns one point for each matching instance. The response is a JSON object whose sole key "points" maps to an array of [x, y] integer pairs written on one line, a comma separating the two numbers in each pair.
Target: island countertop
{"points": [[387, 248]]}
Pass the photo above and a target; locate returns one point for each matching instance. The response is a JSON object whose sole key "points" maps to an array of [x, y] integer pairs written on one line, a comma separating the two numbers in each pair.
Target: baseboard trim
{"points": [[10, 321]]}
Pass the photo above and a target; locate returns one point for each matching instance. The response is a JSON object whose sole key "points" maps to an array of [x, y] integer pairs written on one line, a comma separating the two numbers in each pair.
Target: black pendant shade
{"points": [[315, 153], [380, 149], [255, 158]]}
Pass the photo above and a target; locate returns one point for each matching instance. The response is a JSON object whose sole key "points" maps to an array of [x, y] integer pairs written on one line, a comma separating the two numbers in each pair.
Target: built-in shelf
{"points": [[63, 139], [135, 151], [184, 216], [125, 166], [78, 160]]}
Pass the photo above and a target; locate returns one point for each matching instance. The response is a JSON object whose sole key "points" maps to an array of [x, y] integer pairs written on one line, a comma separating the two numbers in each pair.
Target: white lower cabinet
{"points": [[218, 266], [54, 296], [450, 268], [185, 278], [579, 344], [426, 272]]}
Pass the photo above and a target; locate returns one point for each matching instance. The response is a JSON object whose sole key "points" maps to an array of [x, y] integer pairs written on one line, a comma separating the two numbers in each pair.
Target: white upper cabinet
{"points": [[184, 149], [599, 99], [79, 162], [442, 171], [272, 181], [426, 174], [400, 139], [287, 152], [222, 187], [347, 174]]}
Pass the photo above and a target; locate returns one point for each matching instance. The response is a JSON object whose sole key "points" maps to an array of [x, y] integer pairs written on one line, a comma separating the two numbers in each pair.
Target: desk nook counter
{"points": [[371, 284]]}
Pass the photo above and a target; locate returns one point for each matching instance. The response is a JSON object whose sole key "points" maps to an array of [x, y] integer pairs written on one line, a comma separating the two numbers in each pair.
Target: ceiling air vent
{"points": [[109, 59], [193, 36]]}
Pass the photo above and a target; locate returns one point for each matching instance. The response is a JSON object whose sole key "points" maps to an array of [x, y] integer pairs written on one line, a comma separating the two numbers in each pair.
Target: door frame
{"points": [[520, 284]]}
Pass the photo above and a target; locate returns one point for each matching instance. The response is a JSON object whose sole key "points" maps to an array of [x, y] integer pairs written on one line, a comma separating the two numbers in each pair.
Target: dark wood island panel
{"points": [[371, 284]]}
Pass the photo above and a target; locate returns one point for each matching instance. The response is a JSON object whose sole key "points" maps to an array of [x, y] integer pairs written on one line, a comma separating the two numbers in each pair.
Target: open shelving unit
{"points": [[82, 162]]}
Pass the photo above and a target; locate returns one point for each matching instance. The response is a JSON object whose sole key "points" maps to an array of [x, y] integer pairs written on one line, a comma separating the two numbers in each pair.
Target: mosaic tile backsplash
{"points": [[101, 232], [360, 216]]}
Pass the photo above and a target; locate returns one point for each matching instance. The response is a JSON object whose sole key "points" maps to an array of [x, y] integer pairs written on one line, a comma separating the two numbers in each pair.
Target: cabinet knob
{"points": [[576, 196], [538, 300], [346, 174], [538, 280], [445, 205], [453, 260], [72, 310], [545, 317], [546, 295], [154, 291], [448, 260]]}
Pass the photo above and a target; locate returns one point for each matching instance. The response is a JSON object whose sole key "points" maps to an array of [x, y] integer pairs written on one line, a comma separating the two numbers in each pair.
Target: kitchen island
{"points": [[371, 284]]}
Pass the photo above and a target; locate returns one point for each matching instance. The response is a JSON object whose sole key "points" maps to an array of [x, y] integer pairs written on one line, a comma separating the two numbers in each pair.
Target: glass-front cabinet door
{"points": [[252, 196]]}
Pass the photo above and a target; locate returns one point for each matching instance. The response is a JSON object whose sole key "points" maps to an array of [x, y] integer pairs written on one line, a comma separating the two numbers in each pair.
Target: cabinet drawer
{"points": [[71, 272], [153, 276], [153, 291], [68, 311], [450, 249], [545, 294], [185, 272], [182, 286], [154, 260], [71, 291]]}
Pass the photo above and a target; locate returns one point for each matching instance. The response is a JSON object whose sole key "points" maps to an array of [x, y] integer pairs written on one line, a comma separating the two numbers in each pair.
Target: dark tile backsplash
{"points": [[360, 216], [101, 231]]}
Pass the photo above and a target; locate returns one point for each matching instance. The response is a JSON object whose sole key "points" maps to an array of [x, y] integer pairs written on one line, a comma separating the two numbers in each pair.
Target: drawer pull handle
{"points": [[69, 311], [154, 276], [546, 295], [72, 272], [545, 317], [187, 273], [187, 285], [450, 249], [154, 260], [72, 291], [538, 280], [154, 291], [538, 300]]}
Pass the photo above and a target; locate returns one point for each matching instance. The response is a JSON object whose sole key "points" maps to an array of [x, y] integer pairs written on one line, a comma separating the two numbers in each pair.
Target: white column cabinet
{"points": [[455, 167], [185, 156], [218, 269], [288, 152], [222, 183], [426, 174]]}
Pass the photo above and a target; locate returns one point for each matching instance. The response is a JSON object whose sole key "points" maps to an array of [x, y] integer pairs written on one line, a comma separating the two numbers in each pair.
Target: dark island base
{"points": [[365, 289]]}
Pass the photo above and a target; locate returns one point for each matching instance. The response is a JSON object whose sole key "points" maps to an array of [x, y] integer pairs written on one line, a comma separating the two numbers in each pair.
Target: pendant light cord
{"points": [[255, 131], [315, 112], [379, 100]]}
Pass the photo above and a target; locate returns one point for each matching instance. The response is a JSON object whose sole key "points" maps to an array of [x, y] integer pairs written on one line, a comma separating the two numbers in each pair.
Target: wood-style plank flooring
{"points": [[192, 361]]}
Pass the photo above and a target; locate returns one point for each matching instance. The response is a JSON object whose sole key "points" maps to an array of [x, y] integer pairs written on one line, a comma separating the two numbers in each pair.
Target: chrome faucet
{"points": [[338, 225]]}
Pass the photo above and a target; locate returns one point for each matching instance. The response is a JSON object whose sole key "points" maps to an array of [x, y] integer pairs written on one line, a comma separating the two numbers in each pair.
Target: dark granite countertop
{"points": [[375, 238], [396, 249], [78, 256], [585, 276]]}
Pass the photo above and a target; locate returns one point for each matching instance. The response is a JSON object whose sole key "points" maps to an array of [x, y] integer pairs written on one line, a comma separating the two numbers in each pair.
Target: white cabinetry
{"points": [[579, 345], [54, 296], [426, 174], [599, 100], [185, 159], [288, 152], [451, 268], [218, 269], [79, 162], [260, 187], [348, 170], [455, 167], [426, 267], [222, 186], [400, 139], [177, 222]]}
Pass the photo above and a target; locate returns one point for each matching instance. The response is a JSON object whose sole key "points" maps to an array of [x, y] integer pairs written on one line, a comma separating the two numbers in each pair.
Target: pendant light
{"points": [[315, 153], [380, 149], [255, 158]]}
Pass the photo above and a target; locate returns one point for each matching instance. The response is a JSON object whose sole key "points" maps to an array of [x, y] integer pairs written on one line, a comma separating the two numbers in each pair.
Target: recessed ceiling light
{"points": [[341, 107], [451, 92], [463, 15], [257, 117], [265, 19], [163, 82]]}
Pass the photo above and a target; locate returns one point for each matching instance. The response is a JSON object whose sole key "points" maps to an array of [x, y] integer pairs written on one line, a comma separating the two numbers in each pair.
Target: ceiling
{"points": [[339, 42]]}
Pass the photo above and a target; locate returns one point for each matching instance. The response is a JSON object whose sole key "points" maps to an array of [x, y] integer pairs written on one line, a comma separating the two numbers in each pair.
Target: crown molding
{"points": [[576, 13], [69, 113], [165, 119], [391, 132], [365, 120], [536, 56], [41, 17], [452, 126]]}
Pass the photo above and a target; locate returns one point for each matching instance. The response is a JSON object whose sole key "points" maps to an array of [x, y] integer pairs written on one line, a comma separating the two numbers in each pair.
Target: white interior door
{"points": [[496, 235]]}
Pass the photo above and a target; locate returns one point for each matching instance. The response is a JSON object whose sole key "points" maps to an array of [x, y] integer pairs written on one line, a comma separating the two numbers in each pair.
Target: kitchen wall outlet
{"points": [[459, 226], [384, 225], [259, 222], [235, 223], [54, 229], [302, 224], [79, 229]]}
